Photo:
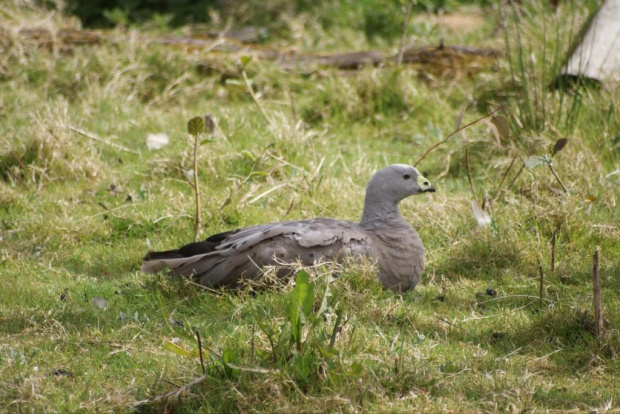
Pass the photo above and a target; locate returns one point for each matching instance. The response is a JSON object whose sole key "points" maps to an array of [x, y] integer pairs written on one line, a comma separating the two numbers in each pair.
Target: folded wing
{"points": [[224, 258]]}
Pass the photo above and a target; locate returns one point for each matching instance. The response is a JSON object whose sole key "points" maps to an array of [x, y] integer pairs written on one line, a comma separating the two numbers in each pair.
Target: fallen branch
{"points": [[231, 42]]}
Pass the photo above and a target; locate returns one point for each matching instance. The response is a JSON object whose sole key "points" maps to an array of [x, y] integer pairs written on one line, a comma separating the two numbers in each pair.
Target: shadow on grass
{"points": [[483, 255], [78, 306], [564, 335]]}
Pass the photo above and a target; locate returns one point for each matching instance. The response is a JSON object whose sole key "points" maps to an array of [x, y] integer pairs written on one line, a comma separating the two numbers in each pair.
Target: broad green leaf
{"points": [[494, 130], [248, 155], [196, 125], [325, 301], [356, 369], [536, 161], [559, 145], [303, 365], [245, 61], [308, 301], [234, 82], [284, 341], [266, 328], [180, 351], [327, 353], [142, 193], [340, 311], [302, 299], [228, 357], [324, 352], [503, 127]]}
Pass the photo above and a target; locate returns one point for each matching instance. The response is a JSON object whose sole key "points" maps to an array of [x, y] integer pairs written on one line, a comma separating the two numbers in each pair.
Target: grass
{"points": [[82, 329]]}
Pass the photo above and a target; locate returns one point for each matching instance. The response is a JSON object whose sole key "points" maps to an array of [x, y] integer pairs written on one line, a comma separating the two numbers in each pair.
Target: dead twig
{"points": [[598, 317], [172, 393], [19, 161], [541, 283], [96, 138], [448, 322], [293, 111], [513, 296], [471, 184], [501, 182], [252, 348], [255, 98], [446, 139], [196, 126], [290, 207], [108, 210], [401, 47], [202, 361], [198, 223], [558, 178], [553, 239], [514, 180]]}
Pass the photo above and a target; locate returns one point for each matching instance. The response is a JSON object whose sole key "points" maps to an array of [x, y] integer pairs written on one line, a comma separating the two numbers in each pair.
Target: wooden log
{"points": [[437, 58]]}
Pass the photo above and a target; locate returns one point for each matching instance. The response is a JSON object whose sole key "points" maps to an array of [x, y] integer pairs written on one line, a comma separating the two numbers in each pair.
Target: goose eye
{"points": [[406, 176]]}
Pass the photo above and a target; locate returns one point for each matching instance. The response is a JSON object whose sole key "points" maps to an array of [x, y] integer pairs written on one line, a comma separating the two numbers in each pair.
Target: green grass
{"points": [[69, 234]]}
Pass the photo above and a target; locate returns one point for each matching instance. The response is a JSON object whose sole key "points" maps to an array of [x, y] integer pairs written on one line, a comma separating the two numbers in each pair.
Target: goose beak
{"points": [[425, 185]]}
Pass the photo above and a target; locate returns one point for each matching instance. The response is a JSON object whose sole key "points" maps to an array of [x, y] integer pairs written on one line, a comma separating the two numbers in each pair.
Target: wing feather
{"points": [[241, 253]]}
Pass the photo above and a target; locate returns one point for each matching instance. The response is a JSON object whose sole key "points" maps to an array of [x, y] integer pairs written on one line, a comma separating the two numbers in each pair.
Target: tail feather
{"points": [[153, 262], [155, 265]]}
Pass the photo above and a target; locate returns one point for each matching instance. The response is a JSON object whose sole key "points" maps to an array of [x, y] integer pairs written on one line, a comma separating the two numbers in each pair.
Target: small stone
{"points": [[101, 303]]}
